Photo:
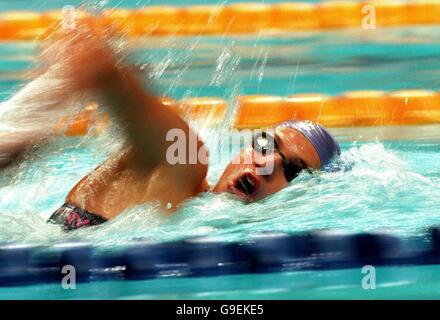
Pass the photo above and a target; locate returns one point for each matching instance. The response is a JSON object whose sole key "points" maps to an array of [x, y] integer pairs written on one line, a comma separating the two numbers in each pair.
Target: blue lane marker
{"points": [[22, 264]]}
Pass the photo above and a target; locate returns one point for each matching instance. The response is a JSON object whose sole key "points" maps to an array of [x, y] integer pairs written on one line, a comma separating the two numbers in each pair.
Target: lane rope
{"points": [[239, 18], [351, 109], [26, 264]]}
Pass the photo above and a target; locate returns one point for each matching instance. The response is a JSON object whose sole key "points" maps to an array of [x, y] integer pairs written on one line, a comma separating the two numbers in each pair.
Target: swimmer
{"points": [[141, 173]]}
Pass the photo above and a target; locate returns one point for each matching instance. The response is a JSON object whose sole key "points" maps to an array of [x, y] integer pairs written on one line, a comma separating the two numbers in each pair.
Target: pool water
{"points": [[419, 282], [389, 182], [397, 190], [395, 174]]}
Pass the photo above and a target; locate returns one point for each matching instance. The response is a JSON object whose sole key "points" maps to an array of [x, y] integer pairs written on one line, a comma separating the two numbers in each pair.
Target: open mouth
{"points": [[245, 186]]}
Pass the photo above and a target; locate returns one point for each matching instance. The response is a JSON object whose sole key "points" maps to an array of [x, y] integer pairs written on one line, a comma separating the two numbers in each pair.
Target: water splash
{"points": [[391, 186], [390, 194]]}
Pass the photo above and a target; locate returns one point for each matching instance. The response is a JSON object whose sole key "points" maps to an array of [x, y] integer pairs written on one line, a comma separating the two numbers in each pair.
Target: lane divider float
{"points": [[351, 109], [27, 264], [238, 18]]}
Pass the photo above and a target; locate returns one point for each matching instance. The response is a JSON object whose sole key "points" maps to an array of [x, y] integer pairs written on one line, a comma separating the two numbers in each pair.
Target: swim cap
{"points": [[324, 143]]}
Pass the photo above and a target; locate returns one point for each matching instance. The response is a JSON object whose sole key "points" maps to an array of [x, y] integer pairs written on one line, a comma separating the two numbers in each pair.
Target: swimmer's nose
{"points": [[267, 160], [260, 160], [252, 157]]}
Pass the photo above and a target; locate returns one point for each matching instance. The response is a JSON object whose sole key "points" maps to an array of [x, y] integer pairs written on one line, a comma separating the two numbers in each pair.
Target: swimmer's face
{"points": [[250, 182]]}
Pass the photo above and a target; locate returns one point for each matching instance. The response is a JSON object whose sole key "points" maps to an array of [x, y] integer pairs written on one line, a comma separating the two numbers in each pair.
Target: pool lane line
{"points": [[30, 264], [351, 109], [239, 18]]}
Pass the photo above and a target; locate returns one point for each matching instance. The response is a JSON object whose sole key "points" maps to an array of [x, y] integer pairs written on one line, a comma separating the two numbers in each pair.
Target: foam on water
{"points": [[390, 187]]}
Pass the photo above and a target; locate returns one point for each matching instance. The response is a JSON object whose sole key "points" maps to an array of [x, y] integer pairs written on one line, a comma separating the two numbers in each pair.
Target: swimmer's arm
{"points": [[12, 145], [92, 65], [31, 114], [147, 120]]}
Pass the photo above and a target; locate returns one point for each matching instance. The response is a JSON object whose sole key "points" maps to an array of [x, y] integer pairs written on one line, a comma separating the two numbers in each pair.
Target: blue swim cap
{"points": [[324, 143]]}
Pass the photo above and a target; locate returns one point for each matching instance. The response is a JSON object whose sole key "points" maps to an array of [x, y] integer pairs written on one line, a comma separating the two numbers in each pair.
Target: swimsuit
{"points": [[72, 217]]}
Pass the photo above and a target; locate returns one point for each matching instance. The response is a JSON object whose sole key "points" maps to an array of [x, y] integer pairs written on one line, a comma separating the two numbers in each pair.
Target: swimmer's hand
{"points": [[71, 63], [12, 145], [87, 63], [85, 60]]}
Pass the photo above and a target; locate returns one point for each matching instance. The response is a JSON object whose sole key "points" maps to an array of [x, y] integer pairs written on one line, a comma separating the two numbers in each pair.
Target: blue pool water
{"points": [[397, 190], [393, 282], [392, 180], [320, 62]]}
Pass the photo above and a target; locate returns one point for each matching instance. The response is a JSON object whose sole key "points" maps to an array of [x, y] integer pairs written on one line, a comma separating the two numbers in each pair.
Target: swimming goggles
{"points": [[266, 144]]}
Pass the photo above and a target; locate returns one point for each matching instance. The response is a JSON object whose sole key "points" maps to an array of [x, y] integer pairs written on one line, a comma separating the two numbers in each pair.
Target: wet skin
{"points": [[122, 182], [242, 179]]}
